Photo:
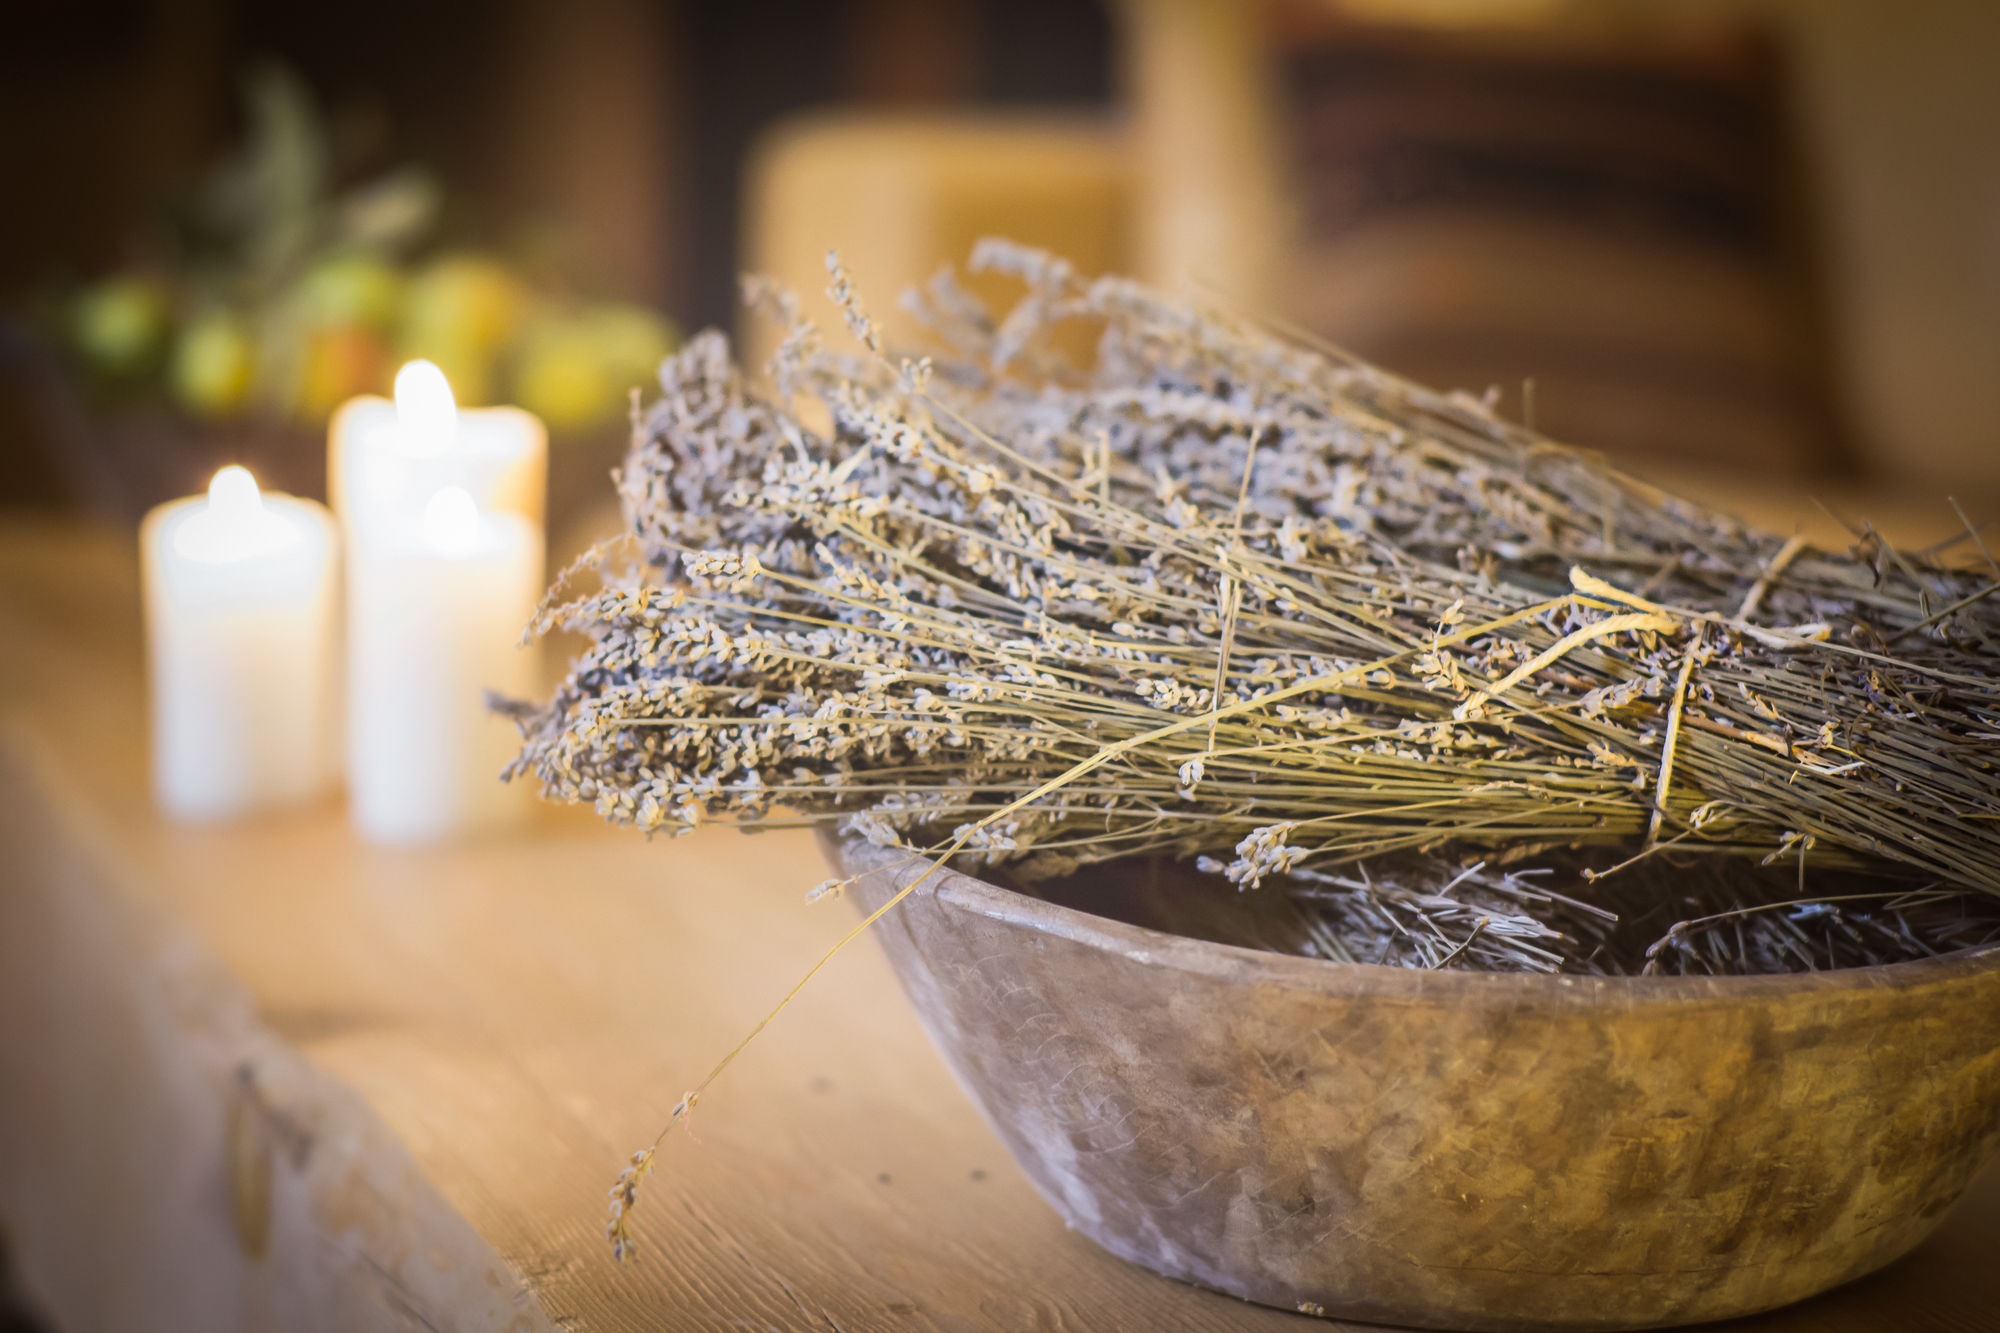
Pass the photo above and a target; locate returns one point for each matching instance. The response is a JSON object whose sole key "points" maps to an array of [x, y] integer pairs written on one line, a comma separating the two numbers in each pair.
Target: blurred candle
{"points": [[239, 593], [436, 607], [386, 459]]}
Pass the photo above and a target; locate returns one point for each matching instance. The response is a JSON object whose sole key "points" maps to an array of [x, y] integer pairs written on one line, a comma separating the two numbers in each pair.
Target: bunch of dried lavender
{"points": [[1225, 595]]}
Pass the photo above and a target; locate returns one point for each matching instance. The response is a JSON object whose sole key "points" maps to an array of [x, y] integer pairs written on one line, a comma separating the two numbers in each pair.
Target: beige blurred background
{"points": [[1719, 238], [1753, 240]]}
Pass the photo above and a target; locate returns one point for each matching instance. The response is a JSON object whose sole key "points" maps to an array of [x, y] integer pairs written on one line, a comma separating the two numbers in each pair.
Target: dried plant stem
{"points": [[1675, 711]]}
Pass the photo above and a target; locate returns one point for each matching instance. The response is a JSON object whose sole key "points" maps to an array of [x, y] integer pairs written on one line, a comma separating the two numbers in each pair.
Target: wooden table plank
{"points": [[438, 1059]]}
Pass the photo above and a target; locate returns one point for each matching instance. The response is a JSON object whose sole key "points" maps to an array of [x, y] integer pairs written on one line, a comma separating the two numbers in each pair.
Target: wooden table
{"points": [[266, 1077]]}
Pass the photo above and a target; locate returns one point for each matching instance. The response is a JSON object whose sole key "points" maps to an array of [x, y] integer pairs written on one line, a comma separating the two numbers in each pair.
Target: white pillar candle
{"points": [[386, 459], [436, 607], [239, 593]]}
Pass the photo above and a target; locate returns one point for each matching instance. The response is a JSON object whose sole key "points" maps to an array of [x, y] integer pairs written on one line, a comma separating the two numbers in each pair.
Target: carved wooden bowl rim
{"points": [[1247, 966]]}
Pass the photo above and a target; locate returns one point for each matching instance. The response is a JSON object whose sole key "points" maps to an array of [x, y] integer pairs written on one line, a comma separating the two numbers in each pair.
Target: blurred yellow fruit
{"points": [[119, 323], [340, 363], [562, 376], [632, 341], [358, 290], [212, 364], [463, 302]]}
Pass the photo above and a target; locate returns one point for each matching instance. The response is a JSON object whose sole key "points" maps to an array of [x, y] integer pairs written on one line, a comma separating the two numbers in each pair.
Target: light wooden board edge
{"points": [[268, 1191]]}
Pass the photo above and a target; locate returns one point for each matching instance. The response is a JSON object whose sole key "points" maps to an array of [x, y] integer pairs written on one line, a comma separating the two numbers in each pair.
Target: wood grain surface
{"points": [[268, 1077]]}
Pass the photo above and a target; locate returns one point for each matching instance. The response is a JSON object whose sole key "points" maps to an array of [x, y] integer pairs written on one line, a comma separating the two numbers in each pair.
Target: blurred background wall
{"points": [[1750, 234]]}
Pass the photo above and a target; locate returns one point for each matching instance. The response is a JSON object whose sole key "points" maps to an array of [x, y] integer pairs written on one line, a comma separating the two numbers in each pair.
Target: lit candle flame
{"points": [[426, 412], [233, 496], [234, 524], [451, 522]]}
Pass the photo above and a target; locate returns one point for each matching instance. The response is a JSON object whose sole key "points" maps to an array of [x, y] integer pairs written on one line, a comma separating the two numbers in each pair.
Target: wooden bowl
{"points": [[1453, 1150]]}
